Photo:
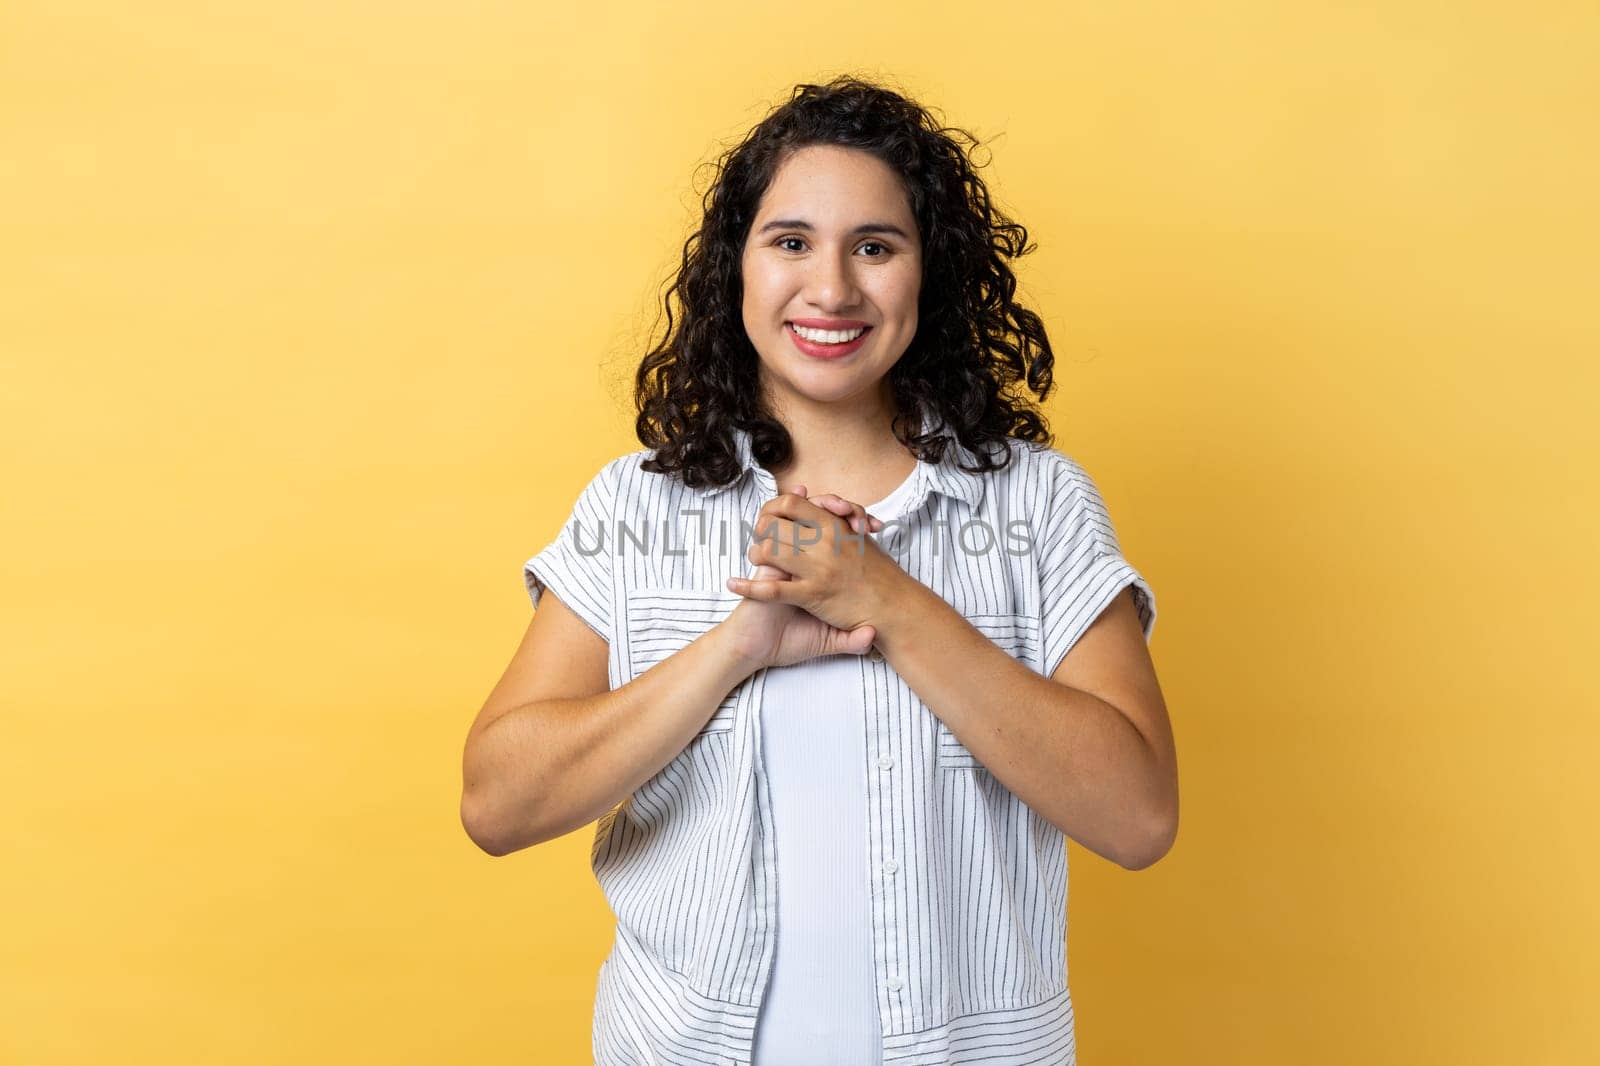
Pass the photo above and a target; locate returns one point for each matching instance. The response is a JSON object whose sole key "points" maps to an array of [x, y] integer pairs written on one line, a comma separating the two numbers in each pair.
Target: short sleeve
{"points": [[577, 564], [1081, 568]]}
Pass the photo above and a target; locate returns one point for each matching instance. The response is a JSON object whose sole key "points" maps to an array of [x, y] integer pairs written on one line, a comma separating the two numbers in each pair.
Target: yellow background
{"points": [[314, 319]]}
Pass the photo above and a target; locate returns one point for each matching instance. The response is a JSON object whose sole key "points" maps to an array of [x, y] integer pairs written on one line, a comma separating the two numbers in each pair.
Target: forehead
{"points": [[825, 183]]}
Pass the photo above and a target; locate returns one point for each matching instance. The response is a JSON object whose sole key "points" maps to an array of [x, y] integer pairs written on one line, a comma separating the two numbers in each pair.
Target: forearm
{"points": [[546, 768], [1075, 759]]}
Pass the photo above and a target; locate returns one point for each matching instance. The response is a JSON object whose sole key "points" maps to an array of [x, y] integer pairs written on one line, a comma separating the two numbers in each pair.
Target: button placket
{"points": [[887, 922]]}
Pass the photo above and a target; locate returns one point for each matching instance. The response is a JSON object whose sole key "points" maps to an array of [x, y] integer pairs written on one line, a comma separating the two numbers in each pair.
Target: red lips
{"points": [[828, 323]]}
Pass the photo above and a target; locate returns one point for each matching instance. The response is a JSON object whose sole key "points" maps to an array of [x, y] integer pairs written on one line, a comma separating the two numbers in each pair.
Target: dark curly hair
{"points": [[974, 343]]}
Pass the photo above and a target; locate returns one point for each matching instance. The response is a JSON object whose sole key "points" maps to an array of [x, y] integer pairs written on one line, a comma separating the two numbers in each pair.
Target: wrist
{"points": [[734, 648], [894, 602]]}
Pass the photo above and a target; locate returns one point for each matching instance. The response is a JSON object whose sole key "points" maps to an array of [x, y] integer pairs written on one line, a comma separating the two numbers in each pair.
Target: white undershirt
{"points": [[821, 1003]]}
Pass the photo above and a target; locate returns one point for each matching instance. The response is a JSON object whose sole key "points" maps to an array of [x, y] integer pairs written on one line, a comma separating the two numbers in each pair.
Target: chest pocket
{"points": [[1018, 636], [661, 621]]}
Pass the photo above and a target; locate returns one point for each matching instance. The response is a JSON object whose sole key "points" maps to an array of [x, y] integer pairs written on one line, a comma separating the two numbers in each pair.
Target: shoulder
{"points": [[1060, 500], [1043, 470], [623, 477], [636, 493], [624, 469]]}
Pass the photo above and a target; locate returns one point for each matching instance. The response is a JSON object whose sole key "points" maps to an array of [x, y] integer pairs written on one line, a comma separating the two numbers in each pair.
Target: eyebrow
{"points": [[861, 230]]}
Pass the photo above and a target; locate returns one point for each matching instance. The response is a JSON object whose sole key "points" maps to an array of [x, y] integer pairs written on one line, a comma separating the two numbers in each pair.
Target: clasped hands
{"points": [[814, 553]]}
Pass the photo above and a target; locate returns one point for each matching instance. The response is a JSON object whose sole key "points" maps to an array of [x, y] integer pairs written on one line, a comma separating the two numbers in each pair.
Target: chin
{"points": [[833, 391]]}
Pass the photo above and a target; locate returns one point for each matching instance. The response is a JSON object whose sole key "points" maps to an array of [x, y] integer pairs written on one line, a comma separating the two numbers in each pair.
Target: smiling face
{"points": [[833, 251]]}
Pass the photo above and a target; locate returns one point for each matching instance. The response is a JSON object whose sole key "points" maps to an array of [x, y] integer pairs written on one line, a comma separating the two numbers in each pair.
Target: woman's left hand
{"points": [[839, 576]]}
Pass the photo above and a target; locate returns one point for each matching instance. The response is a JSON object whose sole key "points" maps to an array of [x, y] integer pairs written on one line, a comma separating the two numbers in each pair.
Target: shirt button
{"points": [[890, 866], [894, 984], [875, 655], [885, 762]]}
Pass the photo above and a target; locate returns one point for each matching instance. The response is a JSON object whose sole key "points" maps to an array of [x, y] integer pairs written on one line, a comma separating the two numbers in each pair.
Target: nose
{"points": [[831, 284]]}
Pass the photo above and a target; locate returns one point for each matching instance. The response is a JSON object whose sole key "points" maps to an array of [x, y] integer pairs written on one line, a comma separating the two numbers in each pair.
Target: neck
{"points": [[850, 450]]}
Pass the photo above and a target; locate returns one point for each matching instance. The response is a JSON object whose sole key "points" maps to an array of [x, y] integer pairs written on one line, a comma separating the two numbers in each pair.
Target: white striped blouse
{"points": [[968, 884]]}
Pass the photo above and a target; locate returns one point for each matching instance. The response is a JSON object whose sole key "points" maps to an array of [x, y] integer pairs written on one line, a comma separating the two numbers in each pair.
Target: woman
{"points": [[834, 748]]}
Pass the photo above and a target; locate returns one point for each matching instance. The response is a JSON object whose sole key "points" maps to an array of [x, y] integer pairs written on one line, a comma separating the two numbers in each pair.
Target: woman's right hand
{"points": [[781, 634]]}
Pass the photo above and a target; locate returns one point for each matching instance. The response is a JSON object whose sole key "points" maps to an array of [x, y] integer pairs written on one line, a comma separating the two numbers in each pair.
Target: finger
{"points": [[790, 505], [764, 591], [843, 508], [854, 642], [836, 504], [768, 561], [768, 528], [787, 540], [859, 519], [798, 492]]}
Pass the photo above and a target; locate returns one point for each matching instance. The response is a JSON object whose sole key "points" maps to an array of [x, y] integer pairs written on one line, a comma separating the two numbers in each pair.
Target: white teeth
{"points": [[828, 336]]}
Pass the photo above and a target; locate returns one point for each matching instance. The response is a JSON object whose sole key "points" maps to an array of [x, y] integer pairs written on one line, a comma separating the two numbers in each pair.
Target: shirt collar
{"points": [[945, 477]]}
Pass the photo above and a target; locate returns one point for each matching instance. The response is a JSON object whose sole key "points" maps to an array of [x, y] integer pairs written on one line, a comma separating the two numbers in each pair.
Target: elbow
{"points": [[1154, 844], [1159, 831], [478, 828], [487, 830], [496, 833], [489, 815]]}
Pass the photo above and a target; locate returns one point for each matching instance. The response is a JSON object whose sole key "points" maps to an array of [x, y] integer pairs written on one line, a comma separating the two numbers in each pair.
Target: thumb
{"points": [[852, 642]]}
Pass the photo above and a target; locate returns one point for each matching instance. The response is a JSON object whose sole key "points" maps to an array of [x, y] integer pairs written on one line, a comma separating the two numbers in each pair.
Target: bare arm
{"points": [[1090, 748], [554, 748]]}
